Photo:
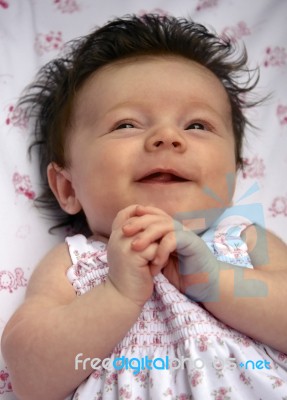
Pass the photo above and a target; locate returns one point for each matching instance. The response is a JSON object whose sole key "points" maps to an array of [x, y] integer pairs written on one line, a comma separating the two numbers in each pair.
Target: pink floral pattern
{"points": [[245, 379], [67, 6], [171, 324], [279, 206], [11, 281], [202, 343], [196, 378], [275, 57], [46, 42], [4, 4], [253, 168], [23, 185], [183, 396], [203, 4], [5, 384], [125, 393], [281, 113], [16, 117], [237, 32], [276, 381], [222, 393]]}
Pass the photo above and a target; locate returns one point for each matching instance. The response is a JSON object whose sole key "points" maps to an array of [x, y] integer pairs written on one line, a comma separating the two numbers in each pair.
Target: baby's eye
{"points": [[124, 125], [197, 125]]}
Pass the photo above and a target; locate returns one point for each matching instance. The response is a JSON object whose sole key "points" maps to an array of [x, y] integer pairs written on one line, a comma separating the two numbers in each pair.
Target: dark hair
{"points": [[49, 99]]}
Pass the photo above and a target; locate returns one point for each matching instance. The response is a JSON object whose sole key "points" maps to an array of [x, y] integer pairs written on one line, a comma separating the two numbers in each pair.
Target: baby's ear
{"points": [[61, 185]]}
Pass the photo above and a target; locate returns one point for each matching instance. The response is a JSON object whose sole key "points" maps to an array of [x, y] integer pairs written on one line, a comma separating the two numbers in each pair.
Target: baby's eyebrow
{"points": [[124, 110], [142, 104], [132, 105]]}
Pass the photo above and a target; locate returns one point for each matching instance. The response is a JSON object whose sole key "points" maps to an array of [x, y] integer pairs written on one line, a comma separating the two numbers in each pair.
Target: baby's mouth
{"points": [[162, 177]]}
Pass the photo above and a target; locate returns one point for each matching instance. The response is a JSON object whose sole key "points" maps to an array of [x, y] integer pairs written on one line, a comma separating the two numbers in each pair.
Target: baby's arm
{"points": [[44, 336], [53, 325], [263, 316]]}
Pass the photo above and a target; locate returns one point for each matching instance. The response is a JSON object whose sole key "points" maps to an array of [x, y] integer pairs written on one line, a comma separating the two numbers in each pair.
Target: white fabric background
{"points": [[33, 31]]}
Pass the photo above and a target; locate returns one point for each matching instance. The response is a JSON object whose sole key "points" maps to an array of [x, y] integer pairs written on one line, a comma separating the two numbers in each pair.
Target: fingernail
{"points": [[126, 225]]}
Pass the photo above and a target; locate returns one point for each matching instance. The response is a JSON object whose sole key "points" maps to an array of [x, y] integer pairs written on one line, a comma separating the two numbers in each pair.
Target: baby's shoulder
{"points": [[265, 248], [49, 277]]}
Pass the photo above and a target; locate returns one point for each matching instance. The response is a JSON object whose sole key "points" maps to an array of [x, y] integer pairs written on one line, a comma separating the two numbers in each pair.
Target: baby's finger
{"points": [[155, 269], [138, 224], [124, 215], [153, 233], [165, 248], [149, 253]]}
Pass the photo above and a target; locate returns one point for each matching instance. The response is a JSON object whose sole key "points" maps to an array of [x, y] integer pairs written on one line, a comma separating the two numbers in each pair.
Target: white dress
{"points": [[179, 350]]}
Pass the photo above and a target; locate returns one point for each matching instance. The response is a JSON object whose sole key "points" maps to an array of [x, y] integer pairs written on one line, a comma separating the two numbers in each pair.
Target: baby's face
{"points": [[152, 131]]}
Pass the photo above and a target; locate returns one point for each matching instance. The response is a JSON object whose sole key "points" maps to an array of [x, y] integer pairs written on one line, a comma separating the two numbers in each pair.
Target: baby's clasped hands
{"points": [[194, 270], [129, 270]]}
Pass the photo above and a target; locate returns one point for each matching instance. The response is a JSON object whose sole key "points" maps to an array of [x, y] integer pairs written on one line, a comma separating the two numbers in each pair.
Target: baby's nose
{"points": [[166, 138]]}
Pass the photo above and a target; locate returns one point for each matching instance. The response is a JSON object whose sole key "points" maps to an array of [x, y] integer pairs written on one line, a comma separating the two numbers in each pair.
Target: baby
{"points": [[148, 299]]}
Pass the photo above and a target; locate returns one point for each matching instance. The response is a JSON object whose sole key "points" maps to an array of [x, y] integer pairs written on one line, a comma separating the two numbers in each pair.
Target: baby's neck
{"points": [[99, 238]]}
